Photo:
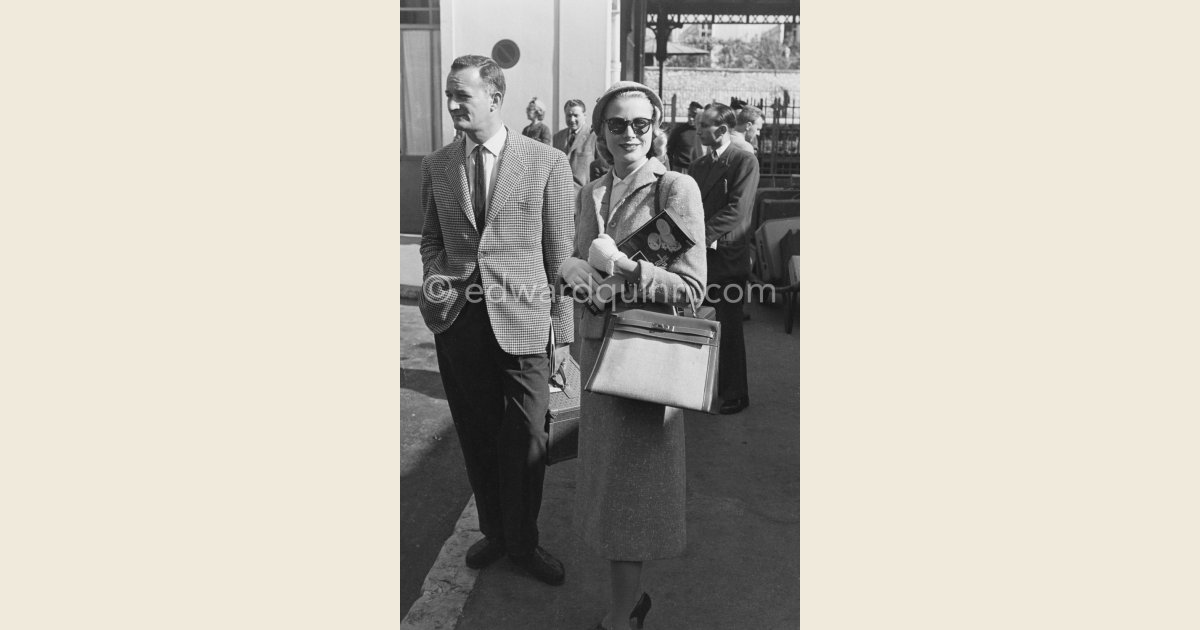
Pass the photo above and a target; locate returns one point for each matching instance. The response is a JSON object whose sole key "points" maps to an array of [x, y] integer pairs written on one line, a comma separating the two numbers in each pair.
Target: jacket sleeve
{"points": [[683, 282], [558, 239], [433, 252]]}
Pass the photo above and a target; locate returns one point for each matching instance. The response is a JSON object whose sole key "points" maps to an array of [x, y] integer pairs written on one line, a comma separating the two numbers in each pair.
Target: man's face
{"points": [[708, 130], [753, 128], [471, 107], [574, 117]]}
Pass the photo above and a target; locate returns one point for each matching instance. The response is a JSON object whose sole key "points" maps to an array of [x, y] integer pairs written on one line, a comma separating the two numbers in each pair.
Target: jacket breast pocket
{"points": [[528, 218]]}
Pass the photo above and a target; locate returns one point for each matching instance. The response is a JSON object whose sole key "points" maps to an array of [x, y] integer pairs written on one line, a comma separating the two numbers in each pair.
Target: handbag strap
{"points": [[657, 204], [657, 201], [657, 208]]}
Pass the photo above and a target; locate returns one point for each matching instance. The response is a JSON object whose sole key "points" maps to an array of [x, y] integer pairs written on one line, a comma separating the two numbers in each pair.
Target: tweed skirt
{"points": [[631, 496]]}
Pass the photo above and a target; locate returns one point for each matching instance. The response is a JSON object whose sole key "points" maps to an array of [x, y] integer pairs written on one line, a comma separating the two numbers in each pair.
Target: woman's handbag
{"points": [[659, 358]]}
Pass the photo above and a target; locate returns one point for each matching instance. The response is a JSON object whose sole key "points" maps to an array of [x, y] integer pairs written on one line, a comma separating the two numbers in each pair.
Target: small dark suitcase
{"points": [[562, 417]]}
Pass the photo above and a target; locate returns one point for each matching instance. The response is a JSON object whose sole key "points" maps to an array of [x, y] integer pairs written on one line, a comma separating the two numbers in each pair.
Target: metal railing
{"points": [[779, 141]]}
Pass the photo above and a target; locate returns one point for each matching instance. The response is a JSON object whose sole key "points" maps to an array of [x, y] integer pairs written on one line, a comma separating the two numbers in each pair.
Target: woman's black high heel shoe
{"points": [[638, 616], [640, 610]]}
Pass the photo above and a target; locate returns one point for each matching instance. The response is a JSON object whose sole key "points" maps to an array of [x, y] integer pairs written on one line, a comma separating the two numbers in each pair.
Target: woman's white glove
{"points": [[604, 255]]}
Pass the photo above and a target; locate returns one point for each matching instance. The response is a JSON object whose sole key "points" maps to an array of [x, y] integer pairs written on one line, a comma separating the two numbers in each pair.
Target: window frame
{"points": [[430, 23]]}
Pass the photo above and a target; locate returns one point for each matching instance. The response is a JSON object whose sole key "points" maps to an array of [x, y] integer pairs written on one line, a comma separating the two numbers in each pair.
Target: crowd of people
{"points": [[506, 213]]}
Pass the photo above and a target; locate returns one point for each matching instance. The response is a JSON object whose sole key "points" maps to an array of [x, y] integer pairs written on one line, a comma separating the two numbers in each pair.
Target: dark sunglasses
{"points": [[618, 125]]}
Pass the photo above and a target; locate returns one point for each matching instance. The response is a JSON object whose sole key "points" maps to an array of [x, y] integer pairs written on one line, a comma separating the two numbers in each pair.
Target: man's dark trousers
{"points": [[498, 402], [727, 295]]}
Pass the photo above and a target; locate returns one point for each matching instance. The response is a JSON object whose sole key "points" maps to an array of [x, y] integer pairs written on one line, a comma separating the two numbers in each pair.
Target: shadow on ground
{"points": [[433, 483]]}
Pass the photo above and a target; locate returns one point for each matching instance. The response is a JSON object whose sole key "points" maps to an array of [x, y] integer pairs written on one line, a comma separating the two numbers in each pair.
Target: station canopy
{"points": [[728, 11]]}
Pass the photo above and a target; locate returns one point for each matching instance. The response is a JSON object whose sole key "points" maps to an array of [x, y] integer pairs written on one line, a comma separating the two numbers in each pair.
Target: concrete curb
{"points": [[449, 582]]}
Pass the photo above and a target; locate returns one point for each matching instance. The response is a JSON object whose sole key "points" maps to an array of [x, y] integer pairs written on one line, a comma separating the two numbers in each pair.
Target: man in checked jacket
{"points": [[499, 221]]}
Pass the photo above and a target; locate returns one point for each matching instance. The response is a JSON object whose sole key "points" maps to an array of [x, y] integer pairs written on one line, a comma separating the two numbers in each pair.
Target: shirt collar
{"points": [[494, 144], [618, 180]]}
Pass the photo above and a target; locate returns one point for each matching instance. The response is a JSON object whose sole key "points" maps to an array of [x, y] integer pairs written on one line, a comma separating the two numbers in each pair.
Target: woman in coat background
{"points": [[536, 129]]}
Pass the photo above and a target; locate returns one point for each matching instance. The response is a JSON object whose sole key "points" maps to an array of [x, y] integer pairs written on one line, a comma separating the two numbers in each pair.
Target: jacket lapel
{"points": [[711, 170], [512, 169], [456, 175], [580, 139], [599, 194]]}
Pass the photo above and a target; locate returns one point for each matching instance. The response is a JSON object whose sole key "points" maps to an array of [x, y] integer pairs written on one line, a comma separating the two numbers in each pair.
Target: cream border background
{"points": [[201, 354], [199, 422], [999, 349]]}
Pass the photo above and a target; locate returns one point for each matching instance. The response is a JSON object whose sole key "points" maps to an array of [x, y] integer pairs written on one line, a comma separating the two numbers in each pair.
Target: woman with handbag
{"points": [[631, 499]]}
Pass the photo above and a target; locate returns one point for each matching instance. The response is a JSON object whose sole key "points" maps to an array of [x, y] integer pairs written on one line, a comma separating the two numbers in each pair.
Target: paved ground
{"points": [[433, 484], [741, 566]]}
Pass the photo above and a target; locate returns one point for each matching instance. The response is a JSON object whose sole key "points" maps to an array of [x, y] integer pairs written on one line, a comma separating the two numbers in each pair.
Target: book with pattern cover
{"points": [[660, 241]]}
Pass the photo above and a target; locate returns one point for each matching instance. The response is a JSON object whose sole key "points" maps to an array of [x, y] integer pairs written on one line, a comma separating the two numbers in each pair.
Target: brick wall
{"points": [[706, 85]]}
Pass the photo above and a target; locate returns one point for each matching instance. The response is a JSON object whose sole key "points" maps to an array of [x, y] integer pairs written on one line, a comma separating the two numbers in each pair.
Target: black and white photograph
{"points": [[600, 270], [503, 314]]}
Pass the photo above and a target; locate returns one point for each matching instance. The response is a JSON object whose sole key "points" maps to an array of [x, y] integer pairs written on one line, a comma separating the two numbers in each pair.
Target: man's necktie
{"points": [[479, 193]]}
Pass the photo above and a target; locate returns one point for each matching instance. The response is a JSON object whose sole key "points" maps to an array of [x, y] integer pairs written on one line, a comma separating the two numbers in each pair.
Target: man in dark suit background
{"points": [[499, 221], [728, 180], [682, 146], [578, 143]]}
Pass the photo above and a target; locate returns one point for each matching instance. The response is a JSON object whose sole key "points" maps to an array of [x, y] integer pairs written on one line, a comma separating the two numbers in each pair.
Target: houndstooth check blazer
{"points": [[528, 233]]}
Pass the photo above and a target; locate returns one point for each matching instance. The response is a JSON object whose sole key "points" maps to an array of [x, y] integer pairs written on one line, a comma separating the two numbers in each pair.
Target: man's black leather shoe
{"points": [[484, 552], [541, 565], [735, 405]]}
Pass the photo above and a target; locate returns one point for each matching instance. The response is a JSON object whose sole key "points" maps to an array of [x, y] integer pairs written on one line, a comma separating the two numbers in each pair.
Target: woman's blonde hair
{"points": [[538, 106]]}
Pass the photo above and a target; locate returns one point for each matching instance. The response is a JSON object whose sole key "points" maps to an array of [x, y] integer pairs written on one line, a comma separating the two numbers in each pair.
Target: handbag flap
{"points": [[652, 317], [667, 331], [674, 327]]}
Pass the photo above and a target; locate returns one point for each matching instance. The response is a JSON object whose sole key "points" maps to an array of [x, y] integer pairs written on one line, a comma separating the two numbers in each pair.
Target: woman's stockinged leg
{"points": [[625, 587]]}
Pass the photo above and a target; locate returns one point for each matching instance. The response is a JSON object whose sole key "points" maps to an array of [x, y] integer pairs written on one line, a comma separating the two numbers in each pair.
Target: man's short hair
{"points": [[749, 114], [574, 103], [724, 114], [489, 70], [694, 106]]}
